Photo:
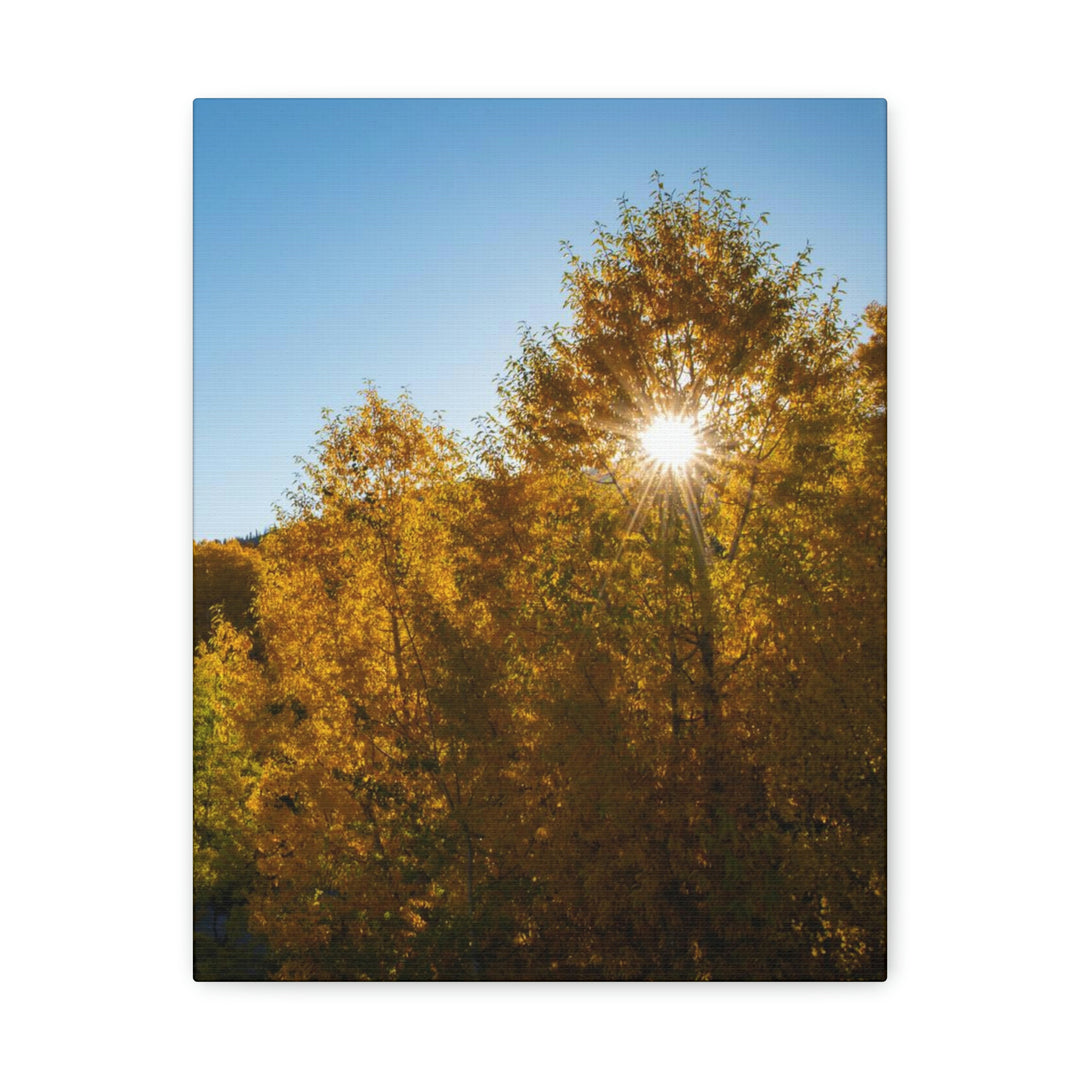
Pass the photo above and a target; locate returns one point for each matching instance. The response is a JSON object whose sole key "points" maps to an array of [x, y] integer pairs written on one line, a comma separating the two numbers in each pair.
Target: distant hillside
{"points": [[252, 539]]}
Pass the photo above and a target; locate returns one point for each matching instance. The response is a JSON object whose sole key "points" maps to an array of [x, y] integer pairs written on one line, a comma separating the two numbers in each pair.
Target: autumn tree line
{"points": [[536, 705]]}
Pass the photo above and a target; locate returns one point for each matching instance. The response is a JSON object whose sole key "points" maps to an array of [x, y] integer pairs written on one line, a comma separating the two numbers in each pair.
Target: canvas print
{"points": [[539, 540]]}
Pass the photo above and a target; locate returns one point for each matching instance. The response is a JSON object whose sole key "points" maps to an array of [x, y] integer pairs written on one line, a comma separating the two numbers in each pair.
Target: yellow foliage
{"points": [[537, 708]]}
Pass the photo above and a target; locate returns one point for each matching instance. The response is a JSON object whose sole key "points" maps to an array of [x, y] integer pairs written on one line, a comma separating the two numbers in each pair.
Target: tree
{"points": [[224, 776], [223, 575], [761, 539], [384, 761]]}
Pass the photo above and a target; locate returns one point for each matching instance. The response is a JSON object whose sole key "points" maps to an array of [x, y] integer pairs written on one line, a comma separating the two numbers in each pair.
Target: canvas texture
{"points": [[565, 661]]}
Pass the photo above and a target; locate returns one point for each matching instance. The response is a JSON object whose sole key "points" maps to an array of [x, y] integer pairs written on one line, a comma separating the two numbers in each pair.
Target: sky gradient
{"points": [[406, 241]]}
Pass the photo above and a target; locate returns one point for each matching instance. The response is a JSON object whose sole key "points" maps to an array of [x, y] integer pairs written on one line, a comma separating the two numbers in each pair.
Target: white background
{"points": [[96, 538]]}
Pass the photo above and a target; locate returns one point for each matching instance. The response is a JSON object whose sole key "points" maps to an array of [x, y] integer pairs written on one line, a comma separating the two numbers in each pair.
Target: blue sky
{"points": [[405, 241]]}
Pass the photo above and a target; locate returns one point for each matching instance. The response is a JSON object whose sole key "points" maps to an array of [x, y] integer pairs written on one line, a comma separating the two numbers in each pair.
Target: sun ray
{"points": [[693, 513], [670, 448]]}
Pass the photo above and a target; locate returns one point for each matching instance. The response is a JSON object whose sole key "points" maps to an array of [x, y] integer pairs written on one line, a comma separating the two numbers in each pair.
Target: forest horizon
{"points": [[596, 693]]}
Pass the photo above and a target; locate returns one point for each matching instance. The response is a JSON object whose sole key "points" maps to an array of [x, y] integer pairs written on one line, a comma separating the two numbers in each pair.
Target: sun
{"points": [[671, 442]]}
